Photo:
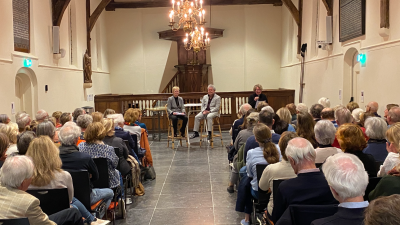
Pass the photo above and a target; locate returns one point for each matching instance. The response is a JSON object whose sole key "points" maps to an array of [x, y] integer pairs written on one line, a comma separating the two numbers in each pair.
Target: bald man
{"points": [[393, 116], [373, 107]]}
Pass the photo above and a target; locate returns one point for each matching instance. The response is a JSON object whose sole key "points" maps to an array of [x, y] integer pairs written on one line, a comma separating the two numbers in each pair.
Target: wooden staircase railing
{"points": [[172, 83]]}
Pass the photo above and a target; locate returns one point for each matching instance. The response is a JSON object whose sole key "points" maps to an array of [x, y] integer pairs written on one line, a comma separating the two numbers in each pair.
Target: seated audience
{"points": [[242, 113], [293, 111], [23, 141], [373, 108], [284, 114], [393, 149], [77, 112], [375, 129], [383, 211], [301, 107], [279, 170], [72, 159], [131, 115], [388, 107], [342, 116], [363, 117], [4, 119], [351, 106], [23, 122], [325, 135], [356, 113], [12, 138], [46, 128], [309, 187], [3, 148], [41, 115], [95, 147], [393, 116], [325, 102], [280, 126], [352, 141], [257, 96], [266, 153], [124, 135], [64, 118], [315, 111], [49, 175], [348, 180], [15, 177], [388, 185], [176, 110], [83, 122], [305, 128], [260, 106], [57, 116], [329, 114], [97, 116], [138, 121], [108, 112]]}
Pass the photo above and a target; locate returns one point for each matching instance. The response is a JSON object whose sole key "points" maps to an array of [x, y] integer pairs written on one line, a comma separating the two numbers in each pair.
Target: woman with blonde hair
{"points": [[130, 116], [284, 114], [97, 116], [352, 106], [266, 154], [3, 148], [11, 134], [49, 175], [393, 148], [176, 110], [257, 96]]}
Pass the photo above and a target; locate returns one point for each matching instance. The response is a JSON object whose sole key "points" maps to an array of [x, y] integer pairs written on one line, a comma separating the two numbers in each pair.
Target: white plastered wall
{"points": [[324, 70]]}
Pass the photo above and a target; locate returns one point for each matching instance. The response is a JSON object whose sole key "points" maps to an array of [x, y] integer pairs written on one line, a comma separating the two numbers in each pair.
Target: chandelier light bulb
{"points": [[191, 4], [178, 3]]}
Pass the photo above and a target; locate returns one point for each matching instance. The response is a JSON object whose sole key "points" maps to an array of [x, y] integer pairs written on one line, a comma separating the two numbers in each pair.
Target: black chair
{"points": [[373, 181], [378, 165], [135, 149], [127, 178], [81, 182], [275, 185], [263, 196], [318, 165], [305, 214], [52, 200], [21, 221]]}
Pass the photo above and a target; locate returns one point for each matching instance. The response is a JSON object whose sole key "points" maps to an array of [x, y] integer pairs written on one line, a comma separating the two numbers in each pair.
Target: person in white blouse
{"points": [[392, 146]]}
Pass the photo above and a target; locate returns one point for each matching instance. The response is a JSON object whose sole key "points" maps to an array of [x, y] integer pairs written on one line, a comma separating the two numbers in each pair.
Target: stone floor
{"points": [[190, 188]]}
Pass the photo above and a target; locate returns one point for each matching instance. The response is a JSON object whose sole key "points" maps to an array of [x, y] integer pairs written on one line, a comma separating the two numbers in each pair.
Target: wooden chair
{"points": [[215, 122], [171, 132]]}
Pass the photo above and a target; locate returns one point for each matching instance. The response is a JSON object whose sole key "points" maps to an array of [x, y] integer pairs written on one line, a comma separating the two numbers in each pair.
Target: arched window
{"points": [[21, 24]]}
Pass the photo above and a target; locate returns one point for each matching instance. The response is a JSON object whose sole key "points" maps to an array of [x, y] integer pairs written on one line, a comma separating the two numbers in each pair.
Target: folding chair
{"points": [[305, 214], [81, 182], [21, 221], [127, 179], [171, 133], [373, 181], [263, 196], [275, 186], [52, 200], [215, 122]]}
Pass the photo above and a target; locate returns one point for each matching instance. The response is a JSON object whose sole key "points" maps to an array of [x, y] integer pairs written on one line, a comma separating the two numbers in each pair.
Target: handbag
{"points": [[139, 190], [150, 174]]}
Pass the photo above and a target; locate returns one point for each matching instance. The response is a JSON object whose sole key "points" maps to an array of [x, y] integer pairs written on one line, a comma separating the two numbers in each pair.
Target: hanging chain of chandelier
{"points": [[188, 12]]}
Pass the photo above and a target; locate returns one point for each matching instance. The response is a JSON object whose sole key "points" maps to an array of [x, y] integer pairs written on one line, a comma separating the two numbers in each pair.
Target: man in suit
{"points": [[347, 180], [308, 188], [15, 177], [209, 110], [176, 110]]}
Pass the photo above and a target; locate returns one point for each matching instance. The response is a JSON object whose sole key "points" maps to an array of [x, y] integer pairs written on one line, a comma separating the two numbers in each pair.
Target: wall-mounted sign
{"points": [[27, 62]]}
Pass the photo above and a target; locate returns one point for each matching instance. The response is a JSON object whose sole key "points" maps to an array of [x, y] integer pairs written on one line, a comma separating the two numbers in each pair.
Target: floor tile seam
{"points": [[209, 170], [155, 207]]}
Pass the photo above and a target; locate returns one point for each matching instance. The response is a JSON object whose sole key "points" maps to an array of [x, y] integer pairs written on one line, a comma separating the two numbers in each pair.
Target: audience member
{"points": [[257, 96], [301, 107], [373, 108], [388, 107], [268, 108], [83, 122], [352, 140], [305, 128], [97, 116], [24, 122], [393, 116], [393, 148], [347, 180], [351, 106], [210, 105], [3, 148], [284, 114], [280, 126], [23, 141], [329, 114], [363, 117], [325, 102], [343, 116], [383, 211], [266, 153], [130, 117], [65, 117], [57, 116], [139, 120], [242, 113], [325, 135], [293, 111], [4, 119], [124, 135], [77, 112], [95, 147], [46, 128], [260, 106], [315, 111], [388, 185], [11, 134], [41, 115], [279, 170], [308, 188], [356, 115], [375, 129], [108, 112], [176, 110], [16, 176], [72, 159]]}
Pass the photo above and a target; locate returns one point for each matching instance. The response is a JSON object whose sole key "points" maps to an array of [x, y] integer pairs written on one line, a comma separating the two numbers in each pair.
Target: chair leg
{"points": [[201, 131], [212, 135]]}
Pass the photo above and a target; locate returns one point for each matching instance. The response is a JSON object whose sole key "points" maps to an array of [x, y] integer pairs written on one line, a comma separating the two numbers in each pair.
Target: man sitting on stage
{"points": [[209, 109]]}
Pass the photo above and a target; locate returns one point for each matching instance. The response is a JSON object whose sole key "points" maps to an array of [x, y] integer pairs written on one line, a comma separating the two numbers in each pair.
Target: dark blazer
{"points": [[117, 142], [262, 97], [368, 161], [306, 189], [344, 216], [252, 143], [172, 107], [119, 132], [377, 148], [388, 185]]}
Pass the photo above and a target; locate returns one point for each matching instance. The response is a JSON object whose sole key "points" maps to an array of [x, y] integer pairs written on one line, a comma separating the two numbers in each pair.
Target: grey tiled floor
{"points": [[190, 188]]}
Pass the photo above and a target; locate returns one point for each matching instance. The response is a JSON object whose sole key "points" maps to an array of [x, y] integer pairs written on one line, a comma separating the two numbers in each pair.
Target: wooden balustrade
{"points": [[230, 104]]}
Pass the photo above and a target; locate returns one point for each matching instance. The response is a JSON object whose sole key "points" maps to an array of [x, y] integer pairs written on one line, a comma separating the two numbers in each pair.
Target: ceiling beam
{"points": [[384, 14], [95, 15], [329, 6], [165, 3], [59, 7], [293, 10]]}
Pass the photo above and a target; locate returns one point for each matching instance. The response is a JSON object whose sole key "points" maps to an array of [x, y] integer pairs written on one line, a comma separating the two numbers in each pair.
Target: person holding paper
{"points": [[176, 110], [257, 96]]}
